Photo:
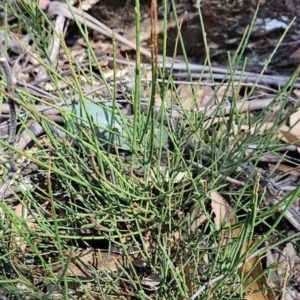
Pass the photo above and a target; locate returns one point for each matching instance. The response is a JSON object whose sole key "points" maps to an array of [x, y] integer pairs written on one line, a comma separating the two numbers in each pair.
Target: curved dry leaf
{"points": [[202, 96], [254, 281], [187, 272], [167, 100], [294, 118], [223, 92], [221, 209], [294, 123], [198, 217], [291, 170], [286, 135]]}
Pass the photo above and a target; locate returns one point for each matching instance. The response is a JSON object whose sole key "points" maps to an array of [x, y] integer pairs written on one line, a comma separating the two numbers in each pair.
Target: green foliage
{"points": [[136, 181]]}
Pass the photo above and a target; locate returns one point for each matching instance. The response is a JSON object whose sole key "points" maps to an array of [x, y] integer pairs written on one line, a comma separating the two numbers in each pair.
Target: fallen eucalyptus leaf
{"points": [[110, 125]]}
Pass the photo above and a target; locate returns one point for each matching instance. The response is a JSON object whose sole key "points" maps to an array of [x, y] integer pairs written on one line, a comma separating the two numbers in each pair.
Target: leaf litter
{"points": [[195, 96]]}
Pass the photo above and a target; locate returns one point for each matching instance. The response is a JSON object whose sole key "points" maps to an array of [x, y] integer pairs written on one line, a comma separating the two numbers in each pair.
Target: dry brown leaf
{"points": [[285, 133], [198, 217], [187, 272], [289, 136], [223, 215], [284, 168], [222, 128], [294, 118], [202, 96], [167, 100], [254, 281], [223, 92], [294, 123], [252, 269], [221, 209]]}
